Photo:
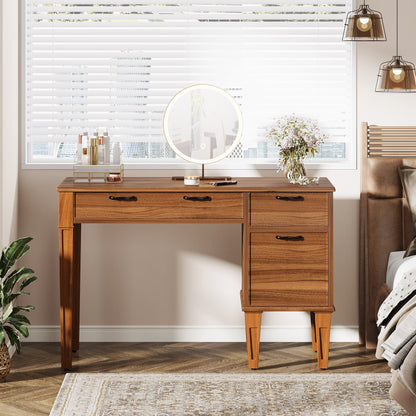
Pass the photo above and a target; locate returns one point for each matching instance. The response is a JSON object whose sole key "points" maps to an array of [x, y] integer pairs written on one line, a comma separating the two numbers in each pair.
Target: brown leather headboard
{"points": [[385, 221]]}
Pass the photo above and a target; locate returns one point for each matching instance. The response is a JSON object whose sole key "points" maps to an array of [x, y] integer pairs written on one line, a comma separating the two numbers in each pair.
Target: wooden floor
{"points": [[32, 385]]}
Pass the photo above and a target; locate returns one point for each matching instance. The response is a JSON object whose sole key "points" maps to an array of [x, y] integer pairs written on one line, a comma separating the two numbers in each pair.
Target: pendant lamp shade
{"points": [[396, 75], [364, 24]]}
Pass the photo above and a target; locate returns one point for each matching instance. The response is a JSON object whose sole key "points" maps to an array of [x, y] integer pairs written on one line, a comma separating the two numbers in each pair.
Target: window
{"points": [[114, 65]]}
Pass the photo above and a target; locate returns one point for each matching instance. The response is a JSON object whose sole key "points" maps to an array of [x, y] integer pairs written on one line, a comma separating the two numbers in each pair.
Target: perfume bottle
{"points": [[116, 153], [85, 146], [78, 158], [100, 155], [84, 159], [106, 148], [93, 151]]}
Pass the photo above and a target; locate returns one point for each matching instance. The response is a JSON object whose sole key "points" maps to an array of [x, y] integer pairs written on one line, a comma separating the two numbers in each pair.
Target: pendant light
{"points": [[364, 24], [396, 75]]}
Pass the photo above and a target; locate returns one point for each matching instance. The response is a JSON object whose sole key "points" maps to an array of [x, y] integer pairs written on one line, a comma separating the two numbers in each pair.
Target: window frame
{"points": [[349, 163]]}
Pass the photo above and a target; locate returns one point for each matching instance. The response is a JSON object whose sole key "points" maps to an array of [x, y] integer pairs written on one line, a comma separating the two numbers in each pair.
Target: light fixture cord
{"points": [[397, 27]]}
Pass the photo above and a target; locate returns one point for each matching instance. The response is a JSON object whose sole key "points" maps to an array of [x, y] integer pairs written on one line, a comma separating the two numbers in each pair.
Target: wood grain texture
{"points": [[158, 205], [322, 328], [245, 259], [276, 275], [289, 273], [69, 264], [66, 209], [331, 249], [267, 211], [66, 262], [76, 279], [313, 332], [35, 378], [253, 328], [168, 185], [382, 141]]}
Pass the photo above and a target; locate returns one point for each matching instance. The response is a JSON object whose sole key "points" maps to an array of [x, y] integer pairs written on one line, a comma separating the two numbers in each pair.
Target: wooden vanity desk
{"points": [[286, 253]]}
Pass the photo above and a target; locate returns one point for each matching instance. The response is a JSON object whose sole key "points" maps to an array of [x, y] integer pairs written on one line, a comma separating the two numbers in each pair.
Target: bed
{"points": [[387, 229]]}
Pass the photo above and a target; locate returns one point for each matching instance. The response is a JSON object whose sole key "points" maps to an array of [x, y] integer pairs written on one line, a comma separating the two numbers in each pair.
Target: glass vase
{"points": [[294, 170]]}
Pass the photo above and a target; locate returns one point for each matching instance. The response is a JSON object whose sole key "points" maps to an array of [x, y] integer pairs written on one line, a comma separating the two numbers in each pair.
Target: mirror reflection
{"points": [[203, 124]]}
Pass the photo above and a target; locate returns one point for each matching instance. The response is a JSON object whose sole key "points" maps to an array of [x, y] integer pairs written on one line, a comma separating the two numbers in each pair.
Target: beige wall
{"points": [[9, 125], [151, 274], [168, 274]]}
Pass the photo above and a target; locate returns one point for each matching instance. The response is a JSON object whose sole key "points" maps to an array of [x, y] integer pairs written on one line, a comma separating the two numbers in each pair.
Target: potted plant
{"points": [[12, 284]]}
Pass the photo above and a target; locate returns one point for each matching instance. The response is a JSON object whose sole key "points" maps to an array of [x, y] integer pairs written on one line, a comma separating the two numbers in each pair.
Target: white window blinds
{"points": [[114, 65]]}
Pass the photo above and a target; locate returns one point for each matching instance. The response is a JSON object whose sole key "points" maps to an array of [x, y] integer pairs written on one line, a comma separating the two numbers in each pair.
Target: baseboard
{"points": [[183, 333]]}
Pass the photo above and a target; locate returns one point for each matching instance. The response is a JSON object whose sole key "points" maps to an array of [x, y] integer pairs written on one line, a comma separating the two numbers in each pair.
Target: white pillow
{"points": [[397, 266]]}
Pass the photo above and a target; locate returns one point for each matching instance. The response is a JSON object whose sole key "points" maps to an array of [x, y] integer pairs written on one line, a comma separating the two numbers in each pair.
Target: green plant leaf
{"points": [[26, 308], [14, 277], [27, 282], [7, 312], [13, 337], [21, 318], [22, 328], [11, 254], [13, 322], [9, 298]]}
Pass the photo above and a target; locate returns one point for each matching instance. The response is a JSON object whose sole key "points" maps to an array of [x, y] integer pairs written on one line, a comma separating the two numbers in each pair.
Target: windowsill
{"points": [[186, 166]]}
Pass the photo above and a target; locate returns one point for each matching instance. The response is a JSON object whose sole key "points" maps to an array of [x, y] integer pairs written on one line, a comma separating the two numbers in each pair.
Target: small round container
{"points": [[191, 180], [113, 177]]}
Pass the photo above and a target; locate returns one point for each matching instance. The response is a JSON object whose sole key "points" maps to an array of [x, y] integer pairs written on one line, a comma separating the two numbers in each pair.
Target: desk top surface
{"points": [[167, 184]]}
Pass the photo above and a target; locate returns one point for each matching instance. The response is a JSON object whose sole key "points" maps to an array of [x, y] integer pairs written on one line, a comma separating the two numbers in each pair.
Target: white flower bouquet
{"points": [[297, 138]]}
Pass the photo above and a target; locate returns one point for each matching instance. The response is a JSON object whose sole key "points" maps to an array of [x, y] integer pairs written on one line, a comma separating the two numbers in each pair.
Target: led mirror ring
{"points": [[203, 124]]}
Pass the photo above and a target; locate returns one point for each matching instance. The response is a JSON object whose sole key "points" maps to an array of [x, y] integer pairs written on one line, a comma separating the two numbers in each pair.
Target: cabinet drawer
{"points": [[291, 272], [157, 206], [271, 209]]}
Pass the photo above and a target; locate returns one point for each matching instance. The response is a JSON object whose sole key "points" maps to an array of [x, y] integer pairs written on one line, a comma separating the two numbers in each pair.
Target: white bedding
{"points": [[402, 281], [397, 267]]}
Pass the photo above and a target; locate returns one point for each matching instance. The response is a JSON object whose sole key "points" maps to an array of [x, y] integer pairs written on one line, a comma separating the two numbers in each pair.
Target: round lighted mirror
{"points": [[203, 124]]}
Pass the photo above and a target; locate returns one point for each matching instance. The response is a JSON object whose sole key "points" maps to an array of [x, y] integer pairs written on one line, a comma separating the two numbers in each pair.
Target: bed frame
{"points": [[385, 220]]}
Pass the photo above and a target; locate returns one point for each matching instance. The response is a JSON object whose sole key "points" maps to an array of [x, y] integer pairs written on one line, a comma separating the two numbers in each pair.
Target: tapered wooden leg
{"points": [[76, 287], [66, 256], [322, 328], [253, 326], [313, 331], [69, 266]]}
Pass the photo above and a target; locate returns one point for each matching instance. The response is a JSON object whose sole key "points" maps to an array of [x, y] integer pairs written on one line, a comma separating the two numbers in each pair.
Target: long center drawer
{"points": [[97, 206]]}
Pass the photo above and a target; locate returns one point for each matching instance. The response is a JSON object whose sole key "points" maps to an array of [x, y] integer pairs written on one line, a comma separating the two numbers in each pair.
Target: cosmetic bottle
{"points": [[93, 151], [84, 160], [85, 144], [94, 136], [116, 153], [79, 149], [106, 148], [100, 155]]}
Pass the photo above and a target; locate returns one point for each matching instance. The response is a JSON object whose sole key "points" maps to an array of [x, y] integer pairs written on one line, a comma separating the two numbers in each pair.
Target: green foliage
{"points": [[12, 282]]}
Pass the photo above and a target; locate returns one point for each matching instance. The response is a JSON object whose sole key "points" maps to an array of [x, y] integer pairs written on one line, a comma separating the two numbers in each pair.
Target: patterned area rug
{"points": [[121, 394]]}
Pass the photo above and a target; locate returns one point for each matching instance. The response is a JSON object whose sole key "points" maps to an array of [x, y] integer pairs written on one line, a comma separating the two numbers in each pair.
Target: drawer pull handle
{"points": [[289, 238], [197, 198], [290, 198], [122, 198]]}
